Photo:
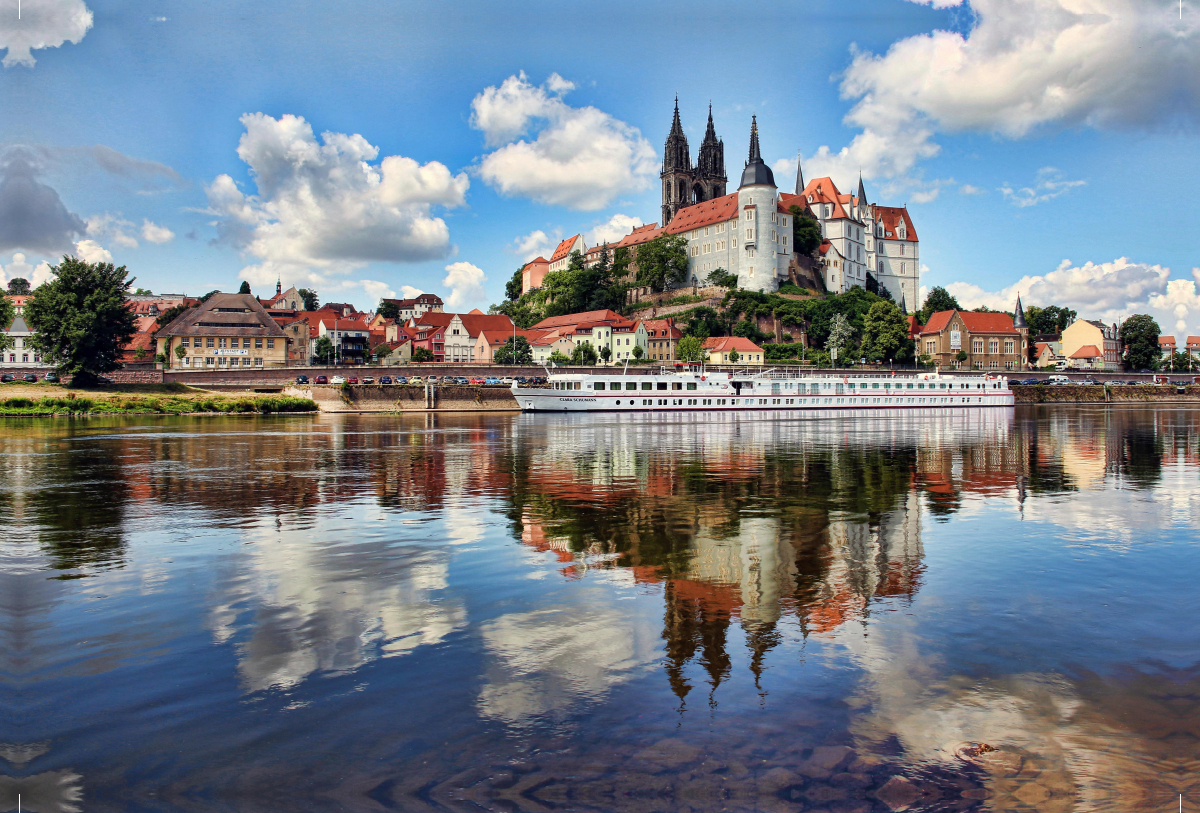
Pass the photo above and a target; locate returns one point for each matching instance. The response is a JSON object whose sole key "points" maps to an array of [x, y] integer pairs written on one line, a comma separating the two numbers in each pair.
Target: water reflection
{"points": [[612, 613]]}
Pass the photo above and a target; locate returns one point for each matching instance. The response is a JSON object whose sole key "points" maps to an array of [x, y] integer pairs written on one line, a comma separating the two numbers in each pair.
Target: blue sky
{"points": [[438, 183]]}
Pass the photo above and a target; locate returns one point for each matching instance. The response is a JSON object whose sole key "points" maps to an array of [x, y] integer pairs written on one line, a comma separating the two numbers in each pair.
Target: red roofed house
{"points": [[1167, 346], [533, 273], [350, 336], [416, 306], [985, 341], [662, 337], [1104, 340], [718, 350], [1087, 357], [452, 337], [562, 255], [1193, 346]]}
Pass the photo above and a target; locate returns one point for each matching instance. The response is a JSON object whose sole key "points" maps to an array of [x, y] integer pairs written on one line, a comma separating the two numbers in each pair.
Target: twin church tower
{"points": [[684, 184]]}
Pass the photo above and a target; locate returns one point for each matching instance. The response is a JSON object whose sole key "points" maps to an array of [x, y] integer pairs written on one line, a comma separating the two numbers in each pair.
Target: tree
{"points": [[584, 354], [18, 286], [422, 354], [245, 289], [180, 352], [723, 278], [80, 318], [749, 330], [704, 322], [638, 352], [938, 299], [806, 231], [885, 332], [209, 295], [382, 350], [388, 310], [733, 356], [518, 352], [8, 312], [605, 353], [839, 333], [512, 288], [1139, 334], [558, 358], [662, 262], [170, 315], [325, 351], [1053, 319], [143, 292], [311, 303], [690, 348]]}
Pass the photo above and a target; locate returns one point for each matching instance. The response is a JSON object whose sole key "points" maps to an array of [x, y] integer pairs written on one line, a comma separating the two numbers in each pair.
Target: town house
{"points": [[974, 341], [225, 332]]}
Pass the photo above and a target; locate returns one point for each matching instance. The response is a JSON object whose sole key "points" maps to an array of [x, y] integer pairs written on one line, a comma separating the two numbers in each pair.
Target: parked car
{"points": [[301, 379], [7, 377], [30, 378], [400, 379], [491, 381], [321, 379], [507, 381], [462, 380], [1059, 379], [337, 379], [477, 380], [385, 379], [367, 379], [1089, 382], [522, 381], [1027, 382], [51, 378]]}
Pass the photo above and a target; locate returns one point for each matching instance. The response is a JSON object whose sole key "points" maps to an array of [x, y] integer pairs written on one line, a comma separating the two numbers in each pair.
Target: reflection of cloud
{"points": [[319, 608], [548, 661], [50, 792]]}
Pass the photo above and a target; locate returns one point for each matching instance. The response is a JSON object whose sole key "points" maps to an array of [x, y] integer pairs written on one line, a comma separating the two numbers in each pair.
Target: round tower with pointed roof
{"points": [[758, 201]]}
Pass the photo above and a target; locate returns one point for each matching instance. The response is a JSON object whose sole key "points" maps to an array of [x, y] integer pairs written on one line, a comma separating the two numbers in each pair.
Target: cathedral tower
{"points": [[710, 165], [677, 174]]}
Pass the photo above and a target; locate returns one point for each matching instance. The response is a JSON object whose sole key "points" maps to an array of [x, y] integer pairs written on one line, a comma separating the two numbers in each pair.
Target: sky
{"points": [[1043, 147]]}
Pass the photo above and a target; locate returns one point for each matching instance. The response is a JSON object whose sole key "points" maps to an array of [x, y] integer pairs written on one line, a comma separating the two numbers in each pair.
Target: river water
{"points": [[975, 610]]}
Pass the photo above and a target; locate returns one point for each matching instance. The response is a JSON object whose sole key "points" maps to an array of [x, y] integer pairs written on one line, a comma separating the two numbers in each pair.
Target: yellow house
{"points": [[226, 331], [718, 349], [1097, 343]]}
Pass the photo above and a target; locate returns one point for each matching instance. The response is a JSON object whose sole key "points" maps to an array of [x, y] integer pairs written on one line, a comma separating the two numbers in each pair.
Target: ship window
{"points": [[662, 385], [646, 385], [874, 386], [678, 385], [691, 385], [632, 385], [599, 385]]}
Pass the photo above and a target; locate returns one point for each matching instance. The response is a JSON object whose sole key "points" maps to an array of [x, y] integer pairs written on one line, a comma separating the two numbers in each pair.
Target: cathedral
{"points": [[683, 184]]}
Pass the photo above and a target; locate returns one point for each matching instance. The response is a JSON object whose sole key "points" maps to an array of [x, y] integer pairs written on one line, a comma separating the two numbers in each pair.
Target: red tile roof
{"points": [[973, 322], [642, 234], [564, 248], [823, 190], [1193, 342], [1166, 341], [665, 328], [1088, 351], [717, 210], [891, 216], [723, 344], [573, 319]]}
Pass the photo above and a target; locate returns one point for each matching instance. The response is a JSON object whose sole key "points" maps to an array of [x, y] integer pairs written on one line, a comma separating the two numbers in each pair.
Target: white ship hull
{"points": [[695, 389]]}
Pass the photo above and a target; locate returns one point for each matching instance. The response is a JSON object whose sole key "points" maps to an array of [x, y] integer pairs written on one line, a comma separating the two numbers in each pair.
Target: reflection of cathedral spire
{"points": [[694, 621], [760, 638]]}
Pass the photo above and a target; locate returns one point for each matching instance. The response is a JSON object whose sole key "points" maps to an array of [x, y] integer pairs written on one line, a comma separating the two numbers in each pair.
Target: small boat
{"points": [[697, 388]]}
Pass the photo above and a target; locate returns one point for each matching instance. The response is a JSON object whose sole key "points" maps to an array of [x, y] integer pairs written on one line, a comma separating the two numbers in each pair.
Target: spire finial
{"points": [[799, 174], [755, 154]]}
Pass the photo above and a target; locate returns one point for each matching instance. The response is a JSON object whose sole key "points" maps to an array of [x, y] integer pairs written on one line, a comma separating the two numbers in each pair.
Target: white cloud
{"points": [[19, 267], [535, 243], [1107, 291], [409, 292], [1049, 184], [968, 189], [92, 252], [323, 209], [154, 233], [465, 282], [581, 158], [612, 230], [114, 228], [1026, 64], [377, 290], [43, 24]]}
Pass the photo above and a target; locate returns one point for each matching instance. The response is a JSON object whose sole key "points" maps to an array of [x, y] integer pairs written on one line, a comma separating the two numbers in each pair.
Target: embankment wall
{"points": [[1078, 393], [375, 398]]}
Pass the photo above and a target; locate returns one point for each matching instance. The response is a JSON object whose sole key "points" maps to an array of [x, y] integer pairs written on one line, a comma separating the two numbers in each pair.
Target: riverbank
{"points": [[1099, 394], [46, 400]]}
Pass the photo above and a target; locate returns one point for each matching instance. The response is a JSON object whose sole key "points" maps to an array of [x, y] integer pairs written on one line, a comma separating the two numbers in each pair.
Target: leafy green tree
{"points": [[584, 354], [325, 351], [638, 352], [210, 294], [512, 288], [703, 322], [558, 358], [1053, 319], [518, 352], [422, 354], [1139, 334], [840, 333], [938, 299], [690, 348], [605, 354], [245, 289], [388, 310], [180, 352], [885, 332], [18, 286], [8, 312], [170, 315], [733, 356], [662, 262], [143, 292], [311, 302], [749, 330], [723, 278], [382, 351], [525, 312], [80, 318], [806, 231]]}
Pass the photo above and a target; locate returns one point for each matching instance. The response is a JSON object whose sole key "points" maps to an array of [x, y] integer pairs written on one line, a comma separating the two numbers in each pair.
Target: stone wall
{"points": [[128, 376], [1078, 393], [375, 398]]}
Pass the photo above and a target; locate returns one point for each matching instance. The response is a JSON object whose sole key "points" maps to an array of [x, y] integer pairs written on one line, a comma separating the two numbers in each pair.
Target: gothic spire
{"points": [[710, 135], [676, 127], [799, 175], [755, 155], [862, 192], [1019, 315]]}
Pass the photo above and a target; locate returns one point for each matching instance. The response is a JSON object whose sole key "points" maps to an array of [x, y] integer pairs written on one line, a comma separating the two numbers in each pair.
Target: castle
{"points": [[858, 237]]}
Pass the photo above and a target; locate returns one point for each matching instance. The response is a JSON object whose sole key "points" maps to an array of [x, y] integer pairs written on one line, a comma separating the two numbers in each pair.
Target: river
{"points": [[972, 610]]}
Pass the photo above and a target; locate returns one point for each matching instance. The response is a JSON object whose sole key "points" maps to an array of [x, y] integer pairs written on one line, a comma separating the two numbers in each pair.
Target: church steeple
{"points": [[799, 175], [755, 154], [278, 286], [1019, 315], [677, 174], [710, 165], [862, 191]]}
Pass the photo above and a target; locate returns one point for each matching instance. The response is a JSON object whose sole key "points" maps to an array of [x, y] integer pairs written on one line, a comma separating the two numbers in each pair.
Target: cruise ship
{"points": [[696, 388]]}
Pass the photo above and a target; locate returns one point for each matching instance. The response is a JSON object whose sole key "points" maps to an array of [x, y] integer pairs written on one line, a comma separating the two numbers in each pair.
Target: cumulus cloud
{"points": [[581, 157], [154, 233], [113, 228], [92, 252], [22, 268], [967, 189], [377, 290], [1108, 291], [1026, 64], [535, 243], [325, 208], [1049, 184], [44, 24], [32, 216], [465, 282], [612, 230]]}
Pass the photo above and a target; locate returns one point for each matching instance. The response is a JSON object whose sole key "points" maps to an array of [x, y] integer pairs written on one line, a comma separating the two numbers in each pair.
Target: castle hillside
{"points": [[749, 232]]}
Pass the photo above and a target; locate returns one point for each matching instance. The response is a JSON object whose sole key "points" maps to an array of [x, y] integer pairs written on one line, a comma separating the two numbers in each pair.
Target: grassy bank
{"points": [[153, 404]]}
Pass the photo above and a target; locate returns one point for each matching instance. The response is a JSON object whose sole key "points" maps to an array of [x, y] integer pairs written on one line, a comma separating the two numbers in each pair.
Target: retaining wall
{"points": [[1078, 393], [375, 398]]}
